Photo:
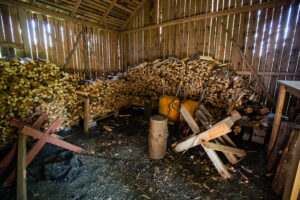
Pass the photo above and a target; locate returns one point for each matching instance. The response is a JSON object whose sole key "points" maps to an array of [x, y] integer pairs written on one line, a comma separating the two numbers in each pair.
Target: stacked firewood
{"points": [[106, 96], [222, 89], [29, 88]]}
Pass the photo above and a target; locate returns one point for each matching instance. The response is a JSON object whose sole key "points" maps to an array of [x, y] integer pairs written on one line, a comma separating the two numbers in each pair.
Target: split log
{"points": [[158, 135], [223, 148], [288, 163]]}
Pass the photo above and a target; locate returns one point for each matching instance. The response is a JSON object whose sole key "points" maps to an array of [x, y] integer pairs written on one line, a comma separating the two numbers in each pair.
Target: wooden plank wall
{"points": [[269, 37], [53, 39]]}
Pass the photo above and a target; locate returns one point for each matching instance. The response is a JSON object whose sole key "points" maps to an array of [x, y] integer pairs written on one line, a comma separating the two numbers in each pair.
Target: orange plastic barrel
{"points": [[165, 107], [190, 105]]}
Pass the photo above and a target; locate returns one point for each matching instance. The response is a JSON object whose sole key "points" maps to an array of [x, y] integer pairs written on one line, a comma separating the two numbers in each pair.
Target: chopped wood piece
{"points": [[223, 148], [158, 135]]}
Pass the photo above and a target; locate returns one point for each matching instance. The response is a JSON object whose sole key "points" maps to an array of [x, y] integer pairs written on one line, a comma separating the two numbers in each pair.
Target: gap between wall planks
{"points": [[269, 37], [46, 37]]}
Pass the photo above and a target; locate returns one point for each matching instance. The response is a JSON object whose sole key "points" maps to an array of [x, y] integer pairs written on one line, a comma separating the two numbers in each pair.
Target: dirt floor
{"points": [[115, 165]]}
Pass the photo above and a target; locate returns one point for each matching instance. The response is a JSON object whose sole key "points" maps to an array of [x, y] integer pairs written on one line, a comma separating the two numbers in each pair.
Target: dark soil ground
{"points": [[115, 165]]}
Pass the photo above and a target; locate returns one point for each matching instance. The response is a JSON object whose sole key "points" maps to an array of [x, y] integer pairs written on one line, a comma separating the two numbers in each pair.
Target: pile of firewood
{"points": [[222, 89], [106, 96], [29, 88]]}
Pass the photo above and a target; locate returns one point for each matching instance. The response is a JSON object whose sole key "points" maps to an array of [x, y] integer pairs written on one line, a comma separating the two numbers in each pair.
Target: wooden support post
{"points": [[276, 124], [21, 168], [158, 135], [86, 114], [296, 186]]}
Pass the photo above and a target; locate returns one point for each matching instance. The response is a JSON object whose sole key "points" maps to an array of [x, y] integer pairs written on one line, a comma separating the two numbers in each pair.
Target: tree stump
{"points": [[158, 135]]}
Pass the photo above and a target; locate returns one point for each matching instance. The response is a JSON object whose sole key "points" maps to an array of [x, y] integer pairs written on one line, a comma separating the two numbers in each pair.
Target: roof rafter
{"points": [[107, 11], [133, 14], [75, 8], [18, 4]]}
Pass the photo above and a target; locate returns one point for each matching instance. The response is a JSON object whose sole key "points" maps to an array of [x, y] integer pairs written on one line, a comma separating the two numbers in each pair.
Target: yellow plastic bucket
{"points": [[169, 109]]}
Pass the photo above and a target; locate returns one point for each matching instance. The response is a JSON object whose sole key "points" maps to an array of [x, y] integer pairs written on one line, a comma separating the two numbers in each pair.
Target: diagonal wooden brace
{"points": [[210, 152], [9, 157], [43, 138]]}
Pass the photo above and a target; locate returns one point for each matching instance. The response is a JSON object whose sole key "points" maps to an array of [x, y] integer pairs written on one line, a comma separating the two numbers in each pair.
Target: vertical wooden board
{"points": [[231, 20], [289, 46], [74, 38], [33, 32], [278, 53], [182, 30], [186, 29], [90, 56], [65, 39], [251, 35], [40, 37], [192, 11], [7, 31], [59, 41], [52, 34], [237, 34], [203, 28], [81, 53], [105, 51], [98, 54], [1, 28], [48, 45], [16, 30], [71, 44], [206, 29], [22, 17], [196, 38], [268, 60], [260, 48], [176, 29]]}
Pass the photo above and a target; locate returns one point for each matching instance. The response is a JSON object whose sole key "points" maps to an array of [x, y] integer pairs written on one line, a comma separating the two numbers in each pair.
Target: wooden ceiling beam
{"points": [[231, 11], [75, 8], [107, 11], [18, 4], [133, 14], [119, 6]]}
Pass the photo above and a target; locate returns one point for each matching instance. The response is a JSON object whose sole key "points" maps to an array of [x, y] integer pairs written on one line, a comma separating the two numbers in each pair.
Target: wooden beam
{"points": [[11, 45], [73, 49], [213, 156], [133, 14], [18, 4], [226, 149], [269, 73], [248, 64], [210, 134], [21, 168], [119, 6], [243, 9], [75, 8], [107, 11]]}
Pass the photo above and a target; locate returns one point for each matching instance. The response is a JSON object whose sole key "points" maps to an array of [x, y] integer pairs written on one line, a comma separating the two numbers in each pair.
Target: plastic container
{"points": [[190, 105], [171, 110]]}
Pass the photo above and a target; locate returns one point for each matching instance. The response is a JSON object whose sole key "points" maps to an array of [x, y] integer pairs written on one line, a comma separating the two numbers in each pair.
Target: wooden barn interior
{"points": [[149, 99]]}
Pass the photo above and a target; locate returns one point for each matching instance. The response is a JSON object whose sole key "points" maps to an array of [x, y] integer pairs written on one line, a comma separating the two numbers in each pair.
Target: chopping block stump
{"points": [[158, 135]]}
